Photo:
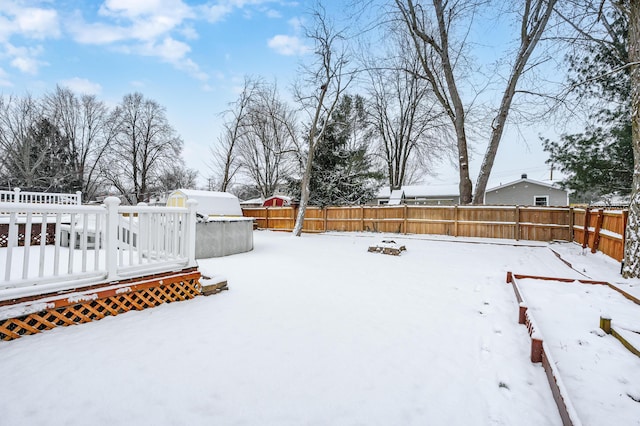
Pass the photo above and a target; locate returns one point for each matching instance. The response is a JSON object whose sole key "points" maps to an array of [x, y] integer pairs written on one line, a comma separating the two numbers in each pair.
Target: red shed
{"points": [[277, 201]]}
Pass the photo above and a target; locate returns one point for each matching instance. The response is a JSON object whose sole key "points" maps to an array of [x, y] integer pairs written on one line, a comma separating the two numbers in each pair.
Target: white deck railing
{"points": [[18, 196], [90, 244]]}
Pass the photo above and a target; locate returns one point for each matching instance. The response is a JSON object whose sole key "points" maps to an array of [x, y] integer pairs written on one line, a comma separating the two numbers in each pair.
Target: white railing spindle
{"points": [[158, 239]]}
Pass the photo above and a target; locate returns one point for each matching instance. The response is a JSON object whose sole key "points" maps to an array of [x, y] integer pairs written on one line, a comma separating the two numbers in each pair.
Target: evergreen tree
{"points": [[599, 160], [41, 161], [342, 171]]}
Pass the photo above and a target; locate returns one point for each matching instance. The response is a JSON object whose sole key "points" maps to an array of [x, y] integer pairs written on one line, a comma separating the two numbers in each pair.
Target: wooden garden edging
{"points": [[34, 314], [605, 325], [539, 353]]}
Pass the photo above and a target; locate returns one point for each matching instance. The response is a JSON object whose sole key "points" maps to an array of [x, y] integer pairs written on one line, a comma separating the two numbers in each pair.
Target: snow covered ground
{"points": [[317, 331]]}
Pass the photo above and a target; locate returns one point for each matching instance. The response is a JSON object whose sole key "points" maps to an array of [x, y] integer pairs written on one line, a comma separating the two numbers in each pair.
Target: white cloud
{"points": [[287, 45], [174, 52], [82, 86], [149, 19], [217, 12], [37, 23], [28, 22], [272, 13], [135, 9], [25, 58], [169, 50], [96, 33]]}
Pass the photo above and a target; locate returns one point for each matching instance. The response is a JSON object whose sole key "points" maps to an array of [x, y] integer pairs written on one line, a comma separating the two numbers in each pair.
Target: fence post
{"points": [[455, 220], [517, 229], [191, 232], [587, 219], [325, 212], [78, 197], [406, 214], [266, 225], [111, 240], [16, 195], [596, 234], [605, 324], [572, 221]]}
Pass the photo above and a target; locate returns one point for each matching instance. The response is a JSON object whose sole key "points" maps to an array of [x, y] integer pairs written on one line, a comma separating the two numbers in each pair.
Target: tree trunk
{"points": [[528, 42], [632, 242], [305, 192]]}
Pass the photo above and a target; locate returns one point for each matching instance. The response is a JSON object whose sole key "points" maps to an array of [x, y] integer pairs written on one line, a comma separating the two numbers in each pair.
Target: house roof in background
{"points": [[527, 180], [413, 191]]}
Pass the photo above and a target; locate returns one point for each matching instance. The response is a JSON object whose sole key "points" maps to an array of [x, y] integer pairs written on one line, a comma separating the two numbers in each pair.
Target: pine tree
{"points": [[599, 161], [41, 161], [342, 171]]}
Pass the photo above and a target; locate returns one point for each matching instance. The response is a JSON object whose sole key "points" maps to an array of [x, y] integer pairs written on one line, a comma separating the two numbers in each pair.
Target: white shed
{"points": [[210, 203]]}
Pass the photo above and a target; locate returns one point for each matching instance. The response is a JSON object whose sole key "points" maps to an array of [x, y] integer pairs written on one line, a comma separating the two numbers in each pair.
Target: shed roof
{"points": [[282, 197], [212, 203]]}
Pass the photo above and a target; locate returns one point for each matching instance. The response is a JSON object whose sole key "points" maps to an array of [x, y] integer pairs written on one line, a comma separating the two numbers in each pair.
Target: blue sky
{"points": [[190, 56]]}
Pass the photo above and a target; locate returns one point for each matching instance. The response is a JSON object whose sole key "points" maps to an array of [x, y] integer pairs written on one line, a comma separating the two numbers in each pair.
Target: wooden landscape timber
{"points": [[539, 353], [605, 325], [599, 230]]}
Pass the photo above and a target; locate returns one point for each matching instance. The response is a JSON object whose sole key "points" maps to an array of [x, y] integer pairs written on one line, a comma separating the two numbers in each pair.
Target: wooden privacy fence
{"points": [[604, 230]]}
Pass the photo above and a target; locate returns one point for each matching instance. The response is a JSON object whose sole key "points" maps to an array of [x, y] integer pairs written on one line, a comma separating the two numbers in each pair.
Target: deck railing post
{"points": [[78, 197], [111, 240], [191, 233], [16, 195]]}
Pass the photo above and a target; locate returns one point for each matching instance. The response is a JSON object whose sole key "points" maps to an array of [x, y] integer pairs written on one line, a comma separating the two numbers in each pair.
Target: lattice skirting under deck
{"points": [[108, 300]]}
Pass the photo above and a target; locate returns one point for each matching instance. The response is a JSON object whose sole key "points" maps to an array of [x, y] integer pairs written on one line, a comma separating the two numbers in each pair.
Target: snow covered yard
{"points": [[314, 331]]}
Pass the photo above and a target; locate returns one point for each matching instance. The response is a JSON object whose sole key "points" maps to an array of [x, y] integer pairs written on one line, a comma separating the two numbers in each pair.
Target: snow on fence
{"points": [[51, 247], [18, 196], [604, 230]]}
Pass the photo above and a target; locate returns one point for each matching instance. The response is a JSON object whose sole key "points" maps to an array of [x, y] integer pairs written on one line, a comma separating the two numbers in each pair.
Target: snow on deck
{"points": [[315, 331]]}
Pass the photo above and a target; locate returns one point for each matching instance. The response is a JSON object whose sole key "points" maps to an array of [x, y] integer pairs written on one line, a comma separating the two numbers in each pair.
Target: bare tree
{"points": [[83, 122], [405, 115], [265, 141], [176, 176], [225, 164], [439, 52], [325, 81], [143, 146]]}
